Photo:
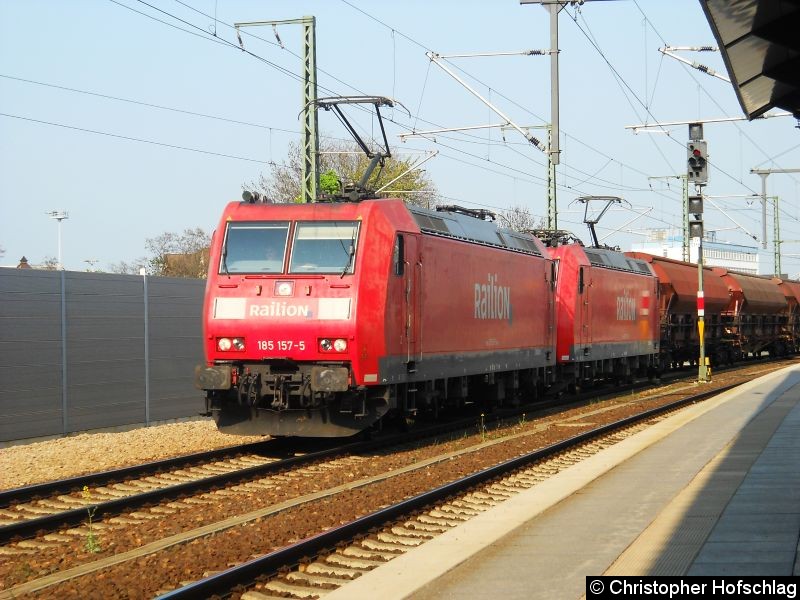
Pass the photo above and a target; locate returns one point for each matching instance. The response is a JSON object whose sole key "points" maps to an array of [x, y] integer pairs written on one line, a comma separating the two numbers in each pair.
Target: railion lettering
{"points": [[492, 301], [626, 308], [280, 309]]}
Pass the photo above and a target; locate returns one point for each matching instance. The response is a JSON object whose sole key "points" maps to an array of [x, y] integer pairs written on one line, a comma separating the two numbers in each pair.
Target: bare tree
{"points": [[129, 268], [346, 162], [49, 263], [179, 254], [171, 255], [519, 218]]}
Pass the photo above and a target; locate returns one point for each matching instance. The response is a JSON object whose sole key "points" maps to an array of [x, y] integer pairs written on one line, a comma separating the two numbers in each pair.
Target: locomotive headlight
{"points": [[224, 344], [284, 288], [325, 345], [340, 345], [238, 344]]}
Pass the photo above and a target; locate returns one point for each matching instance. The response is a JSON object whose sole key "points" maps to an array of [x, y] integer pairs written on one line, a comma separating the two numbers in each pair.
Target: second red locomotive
{"points": [[606, 328]]}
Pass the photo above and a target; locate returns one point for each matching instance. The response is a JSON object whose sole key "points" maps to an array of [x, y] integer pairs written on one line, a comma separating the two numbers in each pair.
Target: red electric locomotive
{"points": [[320, 319], [606, 327]]}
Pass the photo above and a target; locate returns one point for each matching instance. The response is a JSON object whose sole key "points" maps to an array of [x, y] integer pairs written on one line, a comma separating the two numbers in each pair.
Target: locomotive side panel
{"points": [[489, 308], [462, 309]]}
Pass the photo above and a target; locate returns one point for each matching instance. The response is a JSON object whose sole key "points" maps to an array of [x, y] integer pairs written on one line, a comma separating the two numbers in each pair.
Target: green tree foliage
{"points": [[342, 163], [329, 183]]}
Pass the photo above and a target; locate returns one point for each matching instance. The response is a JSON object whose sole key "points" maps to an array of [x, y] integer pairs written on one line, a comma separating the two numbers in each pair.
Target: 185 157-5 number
{"points": [[282, 345]]}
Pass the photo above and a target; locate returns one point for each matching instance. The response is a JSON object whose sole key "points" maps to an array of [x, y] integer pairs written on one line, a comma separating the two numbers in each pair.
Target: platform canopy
{"points": [[760, 43]]}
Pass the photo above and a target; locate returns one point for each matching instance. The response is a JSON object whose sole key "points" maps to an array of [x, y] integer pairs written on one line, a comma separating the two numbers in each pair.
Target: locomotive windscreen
{"points": [[324, 247], [254, 247]]}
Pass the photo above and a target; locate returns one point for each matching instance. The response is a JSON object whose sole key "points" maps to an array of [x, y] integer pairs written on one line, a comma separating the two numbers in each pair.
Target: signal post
{"points": [[697, 173]]}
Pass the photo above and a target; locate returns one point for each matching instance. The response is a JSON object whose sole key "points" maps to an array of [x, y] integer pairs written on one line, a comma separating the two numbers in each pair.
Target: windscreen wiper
{"points": [[225, 259], [351, 252]]}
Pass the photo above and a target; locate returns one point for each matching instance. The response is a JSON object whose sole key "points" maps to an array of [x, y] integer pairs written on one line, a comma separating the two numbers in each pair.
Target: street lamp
{"points": [[59, 215]]}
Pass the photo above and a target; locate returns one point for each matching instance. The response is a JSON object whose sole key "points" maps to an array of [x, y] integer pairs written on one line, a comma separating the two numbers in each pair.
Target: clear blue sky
{"points": [[170, 170]]}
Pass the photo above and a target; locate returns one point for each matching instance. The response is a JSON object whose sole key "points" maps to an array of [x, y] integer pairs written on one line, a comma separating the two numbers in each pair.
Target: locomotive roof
{"points": [[468, 228], [611, 259]]}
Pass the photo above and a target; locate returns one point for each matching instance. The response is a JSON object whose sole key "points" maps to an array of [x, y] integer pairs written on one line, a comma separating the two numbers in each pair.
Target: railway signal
{"points": [[697, 162], [695, 210], [696, 206]]}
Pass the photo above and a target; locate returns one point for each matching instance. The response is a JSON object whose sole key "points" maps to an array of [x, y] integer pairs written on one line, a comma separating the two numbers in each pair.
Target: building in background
{"points": [[744, 259]]}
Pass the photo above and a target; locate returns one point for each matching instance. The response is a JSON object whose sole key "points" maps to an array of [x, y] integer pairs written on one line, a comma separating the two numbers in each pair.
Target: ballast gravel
{"points": [[84, 453]]}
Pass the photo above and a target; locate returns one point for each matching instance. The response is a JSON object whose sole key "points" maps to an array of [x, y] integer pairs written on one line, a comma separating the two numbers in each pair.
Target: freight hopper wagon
{"points": [[607, 322], [322, 319], [677, 307], [791, 291], [756, 317]]}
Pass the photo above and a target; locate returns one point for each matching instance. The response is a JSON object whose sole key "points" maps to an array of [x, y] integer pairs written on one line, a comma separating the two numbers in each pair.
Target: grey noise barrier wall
{"points": [[81, 351]]}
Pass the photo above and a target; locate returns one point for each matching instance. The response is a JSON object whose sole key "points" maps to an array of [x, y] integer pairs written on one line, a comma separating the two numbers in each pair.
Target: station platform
{"points": [[712, 490]]}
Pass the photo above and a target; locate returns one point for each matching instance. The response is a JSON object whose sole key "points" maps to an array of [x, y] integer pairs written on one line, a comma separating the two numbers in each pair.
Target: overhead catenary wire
{"points": [[131, 138], [632, 93], [235, 46], [427, 48], [689, 72], [564, 186], [270, 63], [285, 71]]}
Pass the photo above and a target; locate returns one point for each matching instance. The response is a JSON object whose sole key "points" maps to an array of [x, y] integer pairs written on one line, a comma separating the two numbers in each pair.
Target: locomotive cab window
{"points": [[254, 247], [324, 247], [399, 255]]}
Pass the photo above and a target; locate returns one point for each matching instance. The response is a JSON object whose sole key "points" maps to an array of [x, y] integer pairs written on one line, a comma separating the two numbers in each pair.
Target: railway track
{"points": [[47, 507], [317, 565]]}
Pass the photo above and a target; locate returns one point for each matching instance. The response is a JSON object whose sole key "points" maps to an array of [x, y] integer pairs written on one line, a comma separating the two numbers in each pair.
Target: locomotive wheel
{"points": [[407, 422]]}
